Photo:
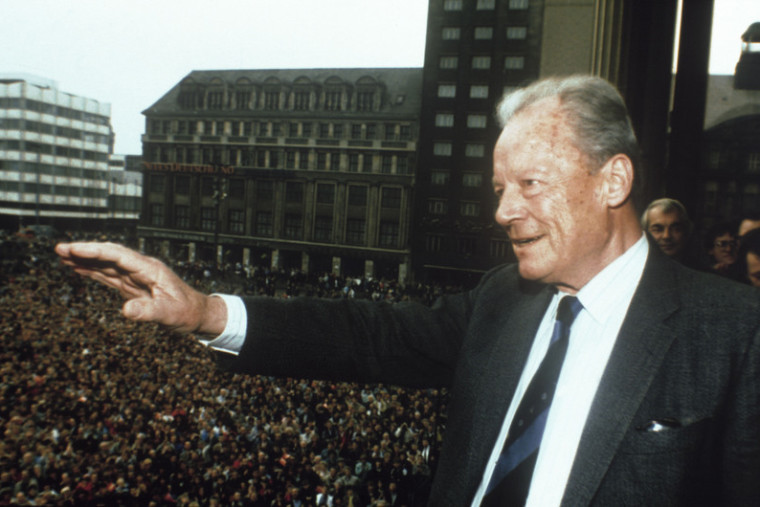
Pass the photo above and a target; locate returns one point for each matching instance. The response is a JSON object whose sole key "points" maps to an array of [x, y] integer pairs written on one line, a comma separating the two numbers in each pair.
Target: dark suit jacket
{"points": [[688, 351]]}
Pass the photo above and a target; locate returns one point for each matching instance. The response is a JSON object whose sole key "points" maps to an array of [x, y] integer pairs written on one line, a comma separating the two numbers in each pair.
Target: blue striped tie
{"points": [[511, 478]]}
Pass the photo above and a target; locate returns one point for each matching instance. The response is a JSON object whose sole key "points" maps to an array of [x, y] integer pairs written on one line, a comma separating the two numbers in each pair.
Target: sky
{"points": [[129, 53]]}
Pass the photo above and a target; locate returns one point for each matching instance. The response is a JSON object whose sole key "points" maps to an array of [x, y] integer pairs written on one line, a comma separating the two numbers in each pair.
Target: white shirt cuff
{"points": [[232, 338]]}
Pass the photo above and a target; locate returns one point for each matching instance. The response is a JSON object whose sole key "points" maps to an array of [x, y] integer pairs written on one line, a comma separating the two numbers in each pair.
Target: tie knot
{"points": [[569, 308]]}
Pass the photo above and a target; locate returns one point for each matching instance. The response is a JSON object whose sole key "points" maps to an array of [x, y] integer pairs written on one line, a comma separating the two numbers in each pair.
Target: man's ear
{"points": [[618, 180]]}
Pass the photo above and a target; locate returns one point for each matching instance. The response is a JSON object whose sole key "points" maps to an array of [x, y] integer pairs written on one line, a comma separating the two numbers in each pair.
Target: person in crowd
{"points": [[656, 367], [721, 245], [748, 222], [667, 221], [749, 257]]}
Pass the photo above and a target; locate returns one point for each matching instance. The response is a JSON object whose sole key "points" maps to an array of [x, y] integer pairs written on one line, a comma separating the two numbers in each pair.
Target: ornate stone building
{"points": [[296, 169]]}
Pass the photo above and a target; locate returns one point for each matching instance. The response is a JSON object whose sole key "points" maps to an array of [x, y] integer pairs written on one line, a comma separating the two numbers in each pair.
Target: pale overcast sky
{"points": [[130, 52]]}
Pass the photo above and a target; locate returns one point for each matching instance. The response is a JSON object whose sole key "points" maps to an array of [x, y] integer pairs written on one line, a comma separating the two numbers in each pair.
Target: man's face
{"points": [[668, 230], [753, 269], [549, 202]]}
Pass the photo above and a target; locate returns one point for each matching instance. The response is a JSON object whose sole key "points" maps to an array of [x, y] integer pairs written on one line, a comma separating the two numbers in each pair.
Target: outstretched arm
{"points": [[153, 292]]}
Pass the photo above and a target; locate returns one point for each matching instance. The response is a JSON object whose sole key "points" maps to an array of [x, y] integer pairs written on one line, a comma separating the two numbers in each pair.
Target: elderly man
{"points": [[668, 223], [595, 371]]}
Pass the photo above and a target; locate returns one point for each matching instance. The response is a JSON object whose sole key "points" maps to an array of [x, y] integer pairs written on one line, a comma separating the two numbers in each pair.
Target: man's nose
{"points": [[508, 209]]}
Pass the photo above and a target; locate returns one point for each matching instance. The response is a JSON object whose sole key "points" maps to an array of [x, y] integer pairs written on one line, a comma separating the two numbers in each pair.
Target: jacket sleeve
{"points": [[357, 340]]}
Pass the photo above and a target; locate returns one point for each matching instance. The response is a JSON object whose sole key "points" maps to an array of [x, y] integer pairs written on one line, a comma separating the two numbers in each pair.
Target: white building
{"points": [[54, 155]]}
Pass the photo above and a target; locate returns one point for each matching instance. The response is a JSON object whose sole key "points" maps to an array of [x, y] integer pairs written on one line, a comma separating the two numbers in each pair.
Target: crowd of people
{"points": [[100, 410]]}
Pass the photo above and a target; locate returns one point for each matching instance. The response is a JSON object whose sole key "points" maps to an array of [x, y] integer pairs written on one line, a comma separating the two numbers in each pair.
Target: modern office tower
{"points": [[475, 51], [124, 191], [306, 169], [54, 152]]}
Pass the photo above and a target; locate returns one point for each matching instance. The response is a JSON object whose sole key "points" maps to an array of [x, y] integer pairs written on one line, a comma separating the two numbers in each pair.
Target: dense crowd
{"points": [[99, 410]]}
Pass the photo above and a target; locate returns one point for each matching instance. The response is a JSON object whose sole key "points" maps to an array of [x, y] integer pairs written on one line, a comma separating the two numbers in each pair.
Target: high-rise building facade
{"points": [[475, 51], [54, 155], [298, 169]]}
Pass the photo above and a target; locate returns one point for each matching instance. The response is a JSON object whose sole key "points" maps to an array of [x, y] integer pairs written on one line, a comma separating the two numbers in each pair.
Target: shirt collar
{"points": [[613, 287]]}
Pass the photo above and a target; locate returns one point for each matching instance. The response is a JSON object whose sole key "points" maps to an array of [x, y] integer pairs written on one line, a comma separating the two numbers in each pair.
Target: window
{"points": [[333, 100], [481, 62], [182, 217], [365, 101], [753, 162], [334, 161], [325, 193], [483, 32], [517, 32], [391, 198], [402, 164], [371, 131], [215, 99], [434, 242], [387, 164], [466, 246], [156, 214], [264, 190], [357, 195], [476, 121], [388, 234], [182, 185], [514, 62], [442, 149], [321, 161], [437, 206], [448, 62], [469, 209], [208, 185], [324, 130], [293, 226], [389, 131], [293, 129], [472, 179], [208, 218], [237, 221], [274, 159], [518, 4], [301, 101], [355, 230], [303, 159], [294, 192], [484, 5], [479, 91], [366, 163], [474, 150], [451, 33], [353, 163], [405, 132], [157, 183], [438, 177], [236, 188], [337, 130], [306, 129], [323, 228], [447, 90], [264, 223], [271, 100], [452, 5], [290, 159], [444, 120], [498, 248], [356, 131]]}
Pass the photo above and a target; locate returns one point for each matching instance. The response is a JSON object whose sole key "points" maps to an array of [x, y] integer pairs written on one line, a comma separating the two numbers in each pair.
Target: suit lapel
{"points": [[637, 355], [493, 392]]}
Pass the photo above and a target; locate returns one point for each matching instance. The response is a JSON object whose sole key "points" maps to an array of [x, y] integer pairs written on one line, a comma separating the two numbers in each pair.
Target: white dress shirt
{"points": [[605, 301]]}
